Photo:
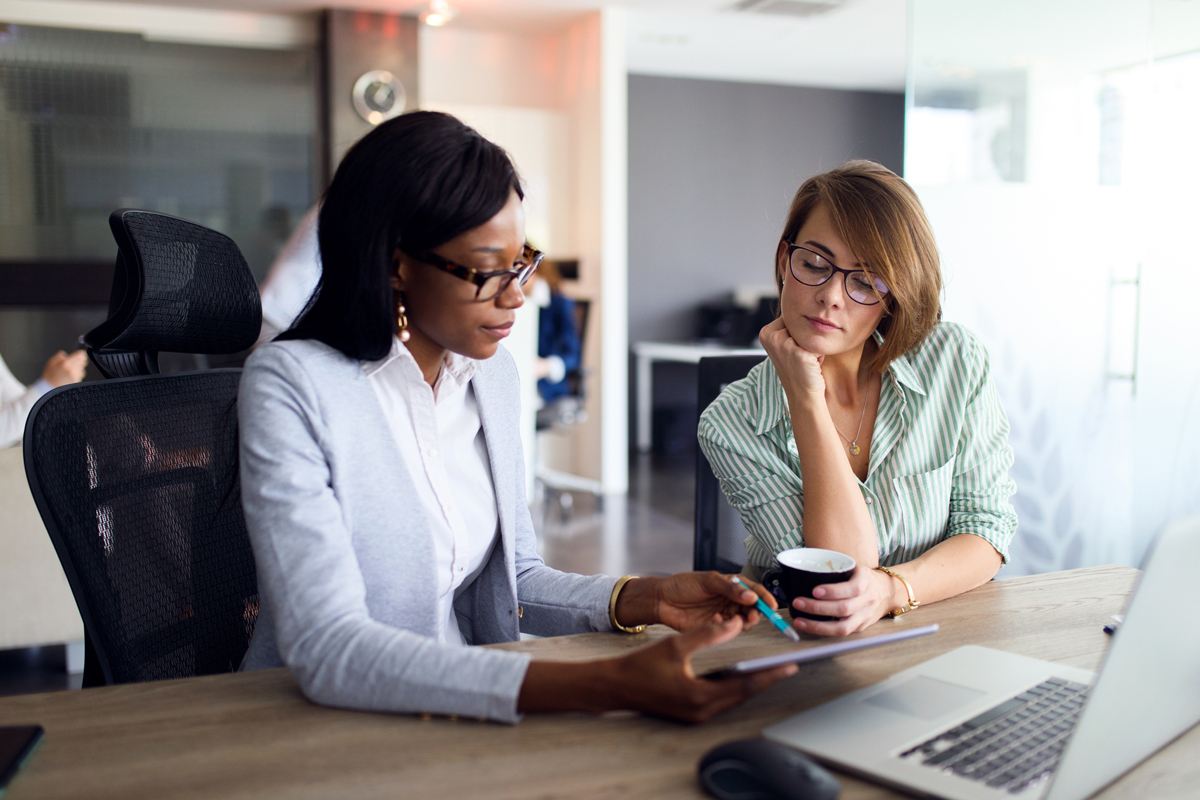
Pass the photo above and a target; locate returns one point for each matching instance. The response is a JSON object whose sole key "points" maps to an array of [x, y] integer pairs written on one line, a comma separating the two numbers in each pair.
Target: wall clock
{"points": [[378, 95]]}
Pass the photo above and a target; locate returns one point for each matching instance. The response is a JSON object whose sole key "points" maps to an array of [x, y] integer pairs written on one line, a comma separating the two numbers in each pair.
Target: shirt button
{"points": [[433, 452], [870, 501]]}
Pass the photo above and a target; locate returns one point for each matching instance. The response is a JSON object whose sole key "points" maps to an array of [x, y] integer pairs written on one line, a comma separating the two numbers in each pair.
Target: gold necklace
{"points": [[854, 448]]}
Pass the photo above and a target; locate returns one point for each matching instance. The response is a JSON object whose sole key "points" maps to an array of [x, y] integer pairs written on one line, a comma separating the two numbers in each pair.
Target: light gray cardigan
{"points": [[345, 557]]}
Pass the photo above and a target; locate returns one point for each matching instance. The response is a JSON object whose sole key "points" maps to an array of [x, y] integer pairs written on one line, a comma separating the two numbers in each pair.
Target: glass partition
{"points": [[1052, 145], [91, 121]]}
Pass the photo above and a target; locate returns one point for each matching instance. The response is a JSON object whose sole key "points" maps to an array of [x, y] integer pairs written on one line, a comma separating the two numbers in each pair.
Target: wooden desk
{"points": [[254, 736]]}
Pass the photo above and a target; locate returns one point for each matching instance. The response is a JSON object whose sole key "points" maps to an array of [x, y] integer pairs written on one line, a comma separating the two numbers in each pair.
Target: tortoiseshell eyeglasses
{"points": [[489, 285]]}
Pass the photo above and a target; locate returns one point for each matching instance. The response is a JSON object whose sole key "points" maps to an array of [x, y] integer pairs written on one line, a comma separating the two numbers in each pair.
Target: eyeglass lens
{"points": [[812, 269], [498, 284]]}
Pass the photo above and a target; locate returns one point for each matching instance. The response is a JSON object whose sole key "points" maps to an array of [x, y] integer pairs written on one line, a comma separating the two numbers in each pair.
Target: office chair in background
{"points": [[136, 477], [720, 534]]}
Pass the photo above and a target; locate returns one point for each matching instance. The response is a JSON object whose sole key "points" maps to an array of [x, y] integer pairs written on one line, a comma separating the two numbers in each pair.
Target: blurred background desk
{"points": [[252, 735], [684, 352]]}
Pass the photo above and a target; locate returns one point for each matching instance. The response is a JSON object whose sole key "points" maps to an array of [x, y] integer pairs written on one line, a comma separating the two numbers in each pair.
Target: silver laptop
{"points": [[981, 723]]}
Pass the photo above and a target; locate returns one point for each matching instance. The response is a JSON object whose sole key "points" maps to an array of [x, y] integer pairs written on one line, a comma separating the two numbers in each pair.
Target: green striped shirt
{"points": [[939, 454]]}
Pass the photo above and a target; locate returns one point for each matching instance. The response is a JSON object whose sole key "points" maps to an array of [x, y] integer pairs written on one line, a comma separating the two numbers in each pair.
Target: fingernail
{"points": [[818, 592], [797, 603]]}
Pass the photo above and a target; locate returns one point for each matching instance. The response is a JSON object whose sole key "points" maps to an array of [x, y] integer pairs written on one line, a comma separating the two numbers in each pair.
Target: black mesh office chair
{"points": [[136, 477], [719, 530]]}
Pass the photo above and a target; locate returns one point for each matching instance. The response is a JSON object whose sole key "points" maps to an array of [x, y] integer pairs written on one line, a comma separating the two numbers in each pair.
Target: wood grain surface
{"points": [[253, 735]]}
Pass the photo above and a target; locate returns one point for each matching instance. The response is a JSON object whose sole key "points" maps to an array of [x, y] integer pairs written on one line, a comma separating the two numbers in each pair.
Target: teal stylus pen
{"points": [[770, 614]]}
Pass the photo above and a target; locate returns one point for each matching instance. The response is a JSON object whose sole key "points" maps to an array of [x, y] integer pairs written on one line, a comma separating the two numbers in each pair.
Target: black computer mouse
{"points": [[760, 769]]}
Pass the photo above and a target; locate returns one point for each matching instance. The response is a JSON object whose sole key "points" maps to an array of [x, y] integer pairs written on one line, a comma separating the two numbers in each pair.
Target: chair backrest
{"points": [[177, 287], [136, 478], [720, 533], [576, 377]]}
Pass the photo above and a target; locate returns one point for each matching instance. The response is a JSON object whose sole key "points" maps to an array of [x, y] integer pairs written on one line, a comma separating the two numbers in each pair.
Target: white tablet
{"points": [[817, 653]]}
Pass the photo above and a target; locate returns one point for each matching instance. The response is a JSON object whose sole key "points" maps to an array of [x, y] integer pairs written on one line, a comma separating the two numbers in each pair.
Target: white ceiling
{"points": [[859, 44]]}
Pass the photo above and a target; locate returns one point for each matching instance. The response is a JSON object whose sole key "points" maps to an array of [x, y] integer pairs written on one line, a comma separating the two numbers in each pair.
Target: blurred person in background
{"points": [[559, 347], [292, 278], [16, 399]]}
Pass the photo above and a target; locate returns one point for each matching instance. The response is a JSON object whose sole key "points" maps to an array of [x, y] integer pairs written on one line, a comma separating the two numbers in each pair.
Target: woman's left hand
{"points": [[689, 599], [857, 603]]}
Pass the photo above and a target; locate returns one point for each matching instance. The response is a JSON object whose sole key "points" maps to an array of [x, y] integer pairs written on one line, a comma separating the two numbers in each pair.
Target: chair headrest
{"points": [[177, 287]]}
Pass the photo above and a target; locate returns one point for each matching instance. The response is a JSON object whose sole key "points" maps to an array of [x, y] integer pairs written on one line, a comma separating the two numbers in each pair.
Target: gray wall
{"points": [[713, 166]]}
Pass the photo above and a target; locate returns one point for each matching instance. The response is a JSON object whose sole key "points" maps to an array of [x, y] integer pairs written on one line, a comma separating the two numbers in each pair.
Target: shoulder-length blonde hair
{"points": [[880, 219]]}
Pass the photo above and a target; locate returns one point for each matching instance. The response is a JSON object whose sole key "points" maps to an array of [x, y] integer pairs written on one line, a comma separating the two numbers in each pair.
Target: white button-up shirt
{"points": [[16, 401], [440, 437]]}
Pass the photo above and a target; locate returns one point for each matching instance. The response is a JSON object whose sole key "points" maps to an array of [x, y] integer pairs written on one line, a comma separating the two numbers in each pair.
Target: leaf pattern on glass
{"points": [[1048, 536]]}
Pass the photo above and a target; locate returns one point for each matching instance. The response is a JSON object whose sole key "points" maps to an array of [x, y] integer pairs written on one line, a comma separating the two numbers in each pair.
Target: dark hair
{"points": [[414, 182]]}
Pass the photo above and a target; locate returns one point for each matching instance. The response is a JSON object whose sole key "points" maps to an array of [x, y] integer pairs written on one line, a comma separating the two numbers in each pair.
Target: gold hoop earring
{"points": [[401, 319]]}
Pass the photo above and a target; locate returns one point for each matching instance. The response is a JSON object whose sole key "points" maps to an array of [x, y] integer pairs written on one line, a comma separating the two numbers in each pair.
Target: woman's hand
{"points": [[62, 369], [798, 369], [689, 599], [656, 680], [659, 679], [858, 603]]}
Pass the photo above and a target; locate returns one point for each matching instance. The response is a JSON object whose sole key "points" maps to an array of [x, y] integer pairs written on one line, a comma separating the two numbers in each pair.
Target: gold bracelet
{"points": [[912, 600], [612, 607]]}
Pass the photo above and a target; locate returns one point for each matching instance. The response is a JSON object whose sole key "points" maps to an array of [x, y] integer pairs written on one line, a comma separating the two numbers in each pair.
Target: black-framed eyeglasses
{"points": [[489, 285], [813, 269]]}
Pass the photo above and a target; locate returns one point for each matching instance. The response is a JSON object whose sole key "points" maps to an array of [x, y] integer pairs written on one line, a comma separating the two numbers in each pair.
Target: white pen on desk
{"points": [[770, 613]]}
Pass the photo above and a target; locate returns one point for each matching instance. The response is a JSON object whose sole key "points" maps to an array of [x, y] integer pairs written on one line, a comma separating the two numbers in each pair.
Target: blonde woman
{"points": [[872, 428]]}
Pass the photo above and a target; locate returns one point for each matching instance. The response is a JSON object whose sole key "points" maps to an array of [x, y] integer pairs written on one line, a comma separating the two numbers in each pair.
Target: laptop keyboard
{"points": [[1013, 745]]}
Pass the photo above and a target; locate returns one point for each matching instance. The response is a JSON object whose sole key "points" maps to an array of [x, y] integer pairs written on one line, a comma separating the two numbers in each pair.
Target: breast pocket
{"points": [[925, 506]]}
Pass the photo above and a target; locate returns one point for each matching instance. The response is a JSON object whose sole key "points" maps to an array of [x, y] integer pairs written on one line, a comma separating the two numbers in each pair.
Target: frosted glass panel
{"points": [[1052, 148]]}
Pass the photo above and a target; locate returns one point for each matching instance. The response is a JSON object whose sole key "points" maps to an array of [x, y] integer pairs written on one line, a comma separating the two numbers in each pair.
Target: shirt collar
{"points": [[902, 368], [904, 371], [457, 368], [774, 408]]}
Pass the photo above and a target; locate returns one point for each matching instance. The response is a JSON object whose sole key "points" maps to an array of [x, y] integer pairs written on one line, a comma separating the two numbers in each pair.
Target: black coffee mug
{"points": [[802, 569]]}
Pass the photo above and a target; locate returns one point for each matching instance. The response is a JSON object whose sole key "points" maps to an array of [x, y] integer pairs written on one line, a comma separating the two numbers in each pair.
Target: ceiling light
{"points": [[439, 13], [788, 8]]}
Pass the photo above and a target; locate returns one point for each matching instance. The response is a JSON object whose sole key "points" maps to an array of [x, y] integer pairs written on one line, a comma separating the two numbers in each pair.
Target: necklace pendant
{"points": [[854, 449]]}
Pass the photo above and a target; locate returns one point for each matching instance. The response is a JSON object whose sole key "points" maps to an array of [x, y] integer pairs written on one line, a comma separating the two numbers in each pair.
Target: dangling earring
{"points": [[401, 318]]}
